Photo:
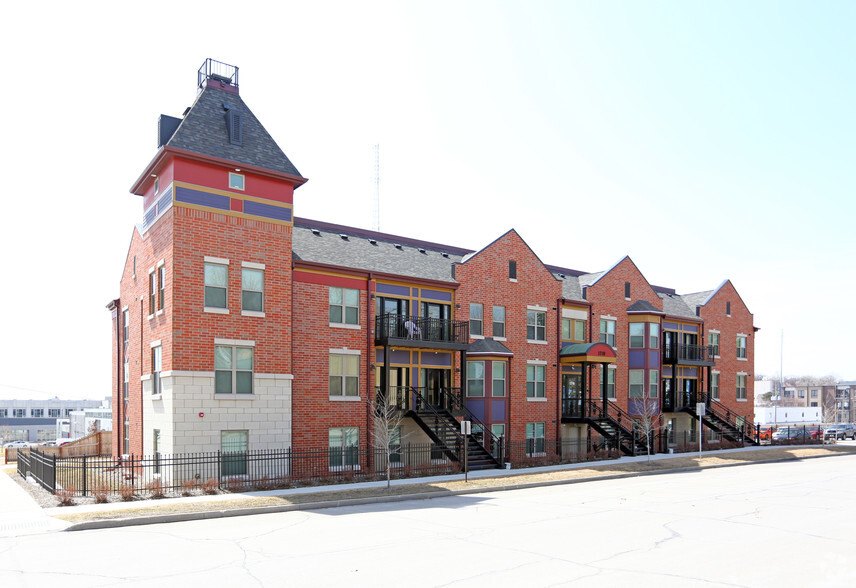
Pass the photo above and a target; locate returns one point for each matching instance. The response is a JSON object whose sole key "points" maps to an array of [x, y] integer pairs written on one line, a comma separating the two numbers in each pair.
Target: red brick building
{"points": [[239, 326]]}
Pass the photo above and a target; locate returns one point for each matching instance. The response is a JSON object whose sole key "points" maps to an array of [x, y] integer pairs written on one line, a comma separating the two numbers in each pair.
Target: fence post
{"points": [[219, 480], [84, 475]]}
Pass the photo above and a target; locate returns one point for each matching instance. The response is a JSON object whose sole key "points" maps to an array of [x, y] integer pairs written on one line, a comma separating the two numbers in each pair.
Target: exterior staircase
{"points": [[617, 427], [720, 418]]}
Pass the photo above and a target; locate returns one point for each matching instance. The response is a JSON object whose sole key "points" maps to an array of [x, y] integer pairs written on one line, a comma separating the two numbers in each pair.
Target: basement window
{"points": [[236, 181]]}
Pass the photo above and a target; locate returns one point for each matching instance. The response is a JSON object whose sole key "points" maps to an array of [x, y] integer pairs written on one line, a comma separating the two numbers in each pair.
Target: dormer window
{"points": [[236, 181]]}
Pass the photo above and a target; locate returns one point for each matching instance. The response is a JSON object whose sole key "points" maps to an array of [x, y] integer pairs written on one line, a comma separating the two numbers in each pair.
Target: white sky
{"points": [[705, 140]]}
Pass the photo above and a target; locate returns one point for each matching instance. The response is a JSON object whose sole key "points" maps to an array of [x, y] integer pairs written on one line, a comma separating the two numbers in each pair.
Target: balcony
{"points": [[421, 332], [688, 354]]}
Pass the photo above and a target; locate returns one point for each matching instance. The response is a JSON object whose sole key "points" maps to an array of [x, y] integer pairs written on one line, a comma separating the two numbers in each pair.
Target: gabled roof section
{"points": [[674, 305], [370, 251], [696, 299], [571, 288], [205, 130], [468, 257], [643, 306]]}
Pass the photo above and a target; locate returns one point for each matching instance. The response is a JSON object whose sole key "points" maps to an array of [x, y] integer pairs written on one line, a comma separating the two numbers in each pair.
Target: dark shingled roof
{"points": [[204, 131], [643, 306], [318, 242], [676, 306], [488, 346]]}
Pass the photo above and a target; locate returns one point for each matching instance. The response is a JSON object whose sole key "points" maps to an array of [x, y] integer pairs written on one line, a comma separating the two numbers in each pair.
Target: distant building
{"points": [[35, 421]]}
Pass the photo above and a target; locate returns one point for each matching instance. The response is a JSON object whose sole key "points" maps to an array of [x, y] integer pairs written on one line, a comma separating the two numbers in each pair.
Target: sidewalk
{"points": [[19, 513]]}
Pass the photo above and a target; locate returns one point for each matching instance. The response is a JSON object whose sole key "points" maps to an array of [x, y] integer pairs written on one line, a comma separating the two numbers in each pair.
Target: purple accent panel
{"points": [[439, 359], [690, 328], [189, 196], [267, 211], [477, 406], [390, 289], [653, 359], [667, 371], [672, 326], [637, 407], [690, 372], [437, 295], [497, 410], [636, 358], [400, 357], [378, 355], [415, 292]]}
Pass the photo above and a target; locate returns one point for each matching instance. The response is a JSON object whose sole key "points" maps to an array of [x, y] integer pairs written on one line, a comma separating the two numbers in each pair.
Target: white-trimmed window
{"points": [[161, 274], [610, 383], [573, 330], [536, 380], [741, 346], [475, 379], [536, 439], [713, 341], [636, 381], [741, 386], [344, 375], [153, 286], [344, 306], [637, 335], [476, 319], [498, 380], [252, 287], [607, 331], [157, 365], [536, 325], [37, 413], [233, 369], [19, 413], [714, 385], [654, 335], [654, 384], [343, 447], [236, 181], [233, 452], [126, 327], [499, 322], [216, 283], [53, 413]]}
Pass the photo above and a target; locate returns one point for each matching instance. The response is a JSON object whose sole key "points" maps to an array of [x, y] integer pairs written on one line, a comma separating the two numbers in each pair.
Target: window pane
{"points": [[352, 365], [335, 314], [352, 297], [251, 301], [335, 385], [475, 369], [216, 275], [336, 296], [566, 328], [335, 437], [222, 358], [215, 297], [244, 382], [352, 315], [352, 384], [244, 358], [335, 365], [252, 279], [579, 330], [222, 382], [541, 317]]}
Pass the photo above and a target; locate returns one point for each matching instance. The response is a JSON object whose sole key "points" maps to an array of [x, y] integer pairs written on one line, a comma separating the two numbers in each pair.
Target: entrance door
{"points": [[438, 323], [434, 381], [688, 389], [670, 346], [669, 399], [572, 395], [397, 385]]}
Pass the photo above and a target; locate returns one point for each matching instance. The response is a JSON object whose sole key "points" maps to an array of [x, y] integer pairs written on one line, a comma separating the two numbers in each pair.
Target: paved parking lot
{"points": [[783, 524]]}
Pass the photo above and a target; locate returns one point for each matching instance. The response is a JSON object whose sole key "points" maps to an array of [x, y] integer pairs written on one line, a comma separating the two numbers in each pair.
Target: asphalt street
{"points": [[781, 524]]}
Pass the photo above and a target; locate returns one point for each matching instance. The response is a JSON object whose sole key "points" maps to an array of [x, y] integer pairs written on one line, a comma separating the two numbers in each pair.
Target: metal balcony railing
{"points": [[420, 328], [687, 352]]}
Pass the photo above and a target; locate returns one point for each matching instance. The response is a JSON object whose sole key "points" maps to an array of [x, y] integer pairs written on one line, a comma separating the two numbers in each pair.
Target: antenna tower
{"points": [[377, 187]]}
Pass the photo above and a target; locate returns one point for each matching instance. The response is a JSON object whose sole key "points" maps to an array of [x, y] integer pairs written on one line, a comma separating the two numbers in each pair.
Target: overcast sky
{"points": [[706, 140]]}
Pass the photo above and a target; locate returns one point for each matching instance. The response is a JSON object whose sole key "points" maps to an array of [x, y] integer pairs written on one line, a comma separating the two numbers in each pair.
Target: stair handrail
{"points": [[422, 402], [594, 406], [458, 402], [716, 409]]}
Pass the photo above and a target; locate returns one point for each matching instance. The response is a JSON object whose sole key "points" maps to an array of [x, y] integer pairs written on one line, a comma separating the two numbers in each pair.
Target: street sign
{"points": [[700, 408], [466, 428]]}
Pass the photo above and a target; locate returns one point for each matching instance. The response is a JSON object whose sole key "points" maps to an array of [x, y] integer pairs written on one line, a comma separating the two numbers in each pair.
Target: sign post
{"points": [[466, 431], [700, 410]]}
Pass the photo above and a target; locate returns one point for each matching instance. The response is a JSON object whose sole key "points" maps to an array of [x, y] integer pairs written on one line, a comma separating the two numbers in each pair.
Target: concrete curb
{"points": [[324, 504]]}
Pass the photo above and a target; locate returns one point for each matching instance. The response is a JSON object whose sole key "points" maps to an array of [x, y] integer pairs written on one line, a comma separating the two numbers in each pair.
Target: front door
{"points": [[397, 385], [434, 382], [437, 324], [688, 389], [572, 395], [669, 399]]}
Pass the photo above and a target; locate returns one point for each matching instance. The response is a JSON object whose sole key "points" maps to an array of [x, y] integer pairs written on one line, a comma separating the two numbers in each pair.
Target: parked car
{"points": [[792, 434], [816, 432], [17, 444], [765, 433], [841, 431]]}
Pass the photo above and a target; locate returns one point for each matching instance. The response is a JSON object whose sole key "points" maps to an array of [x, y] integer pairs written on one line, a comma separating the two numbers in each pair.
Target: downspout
{"points": [[370, 359], [114, 308], [559, 372]]}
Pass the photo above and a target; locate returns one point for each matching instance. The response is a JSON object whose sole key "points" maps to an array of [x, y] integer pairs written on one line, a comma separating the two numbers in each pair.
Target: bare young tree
{"points": [[647, 422], [387, 435]]}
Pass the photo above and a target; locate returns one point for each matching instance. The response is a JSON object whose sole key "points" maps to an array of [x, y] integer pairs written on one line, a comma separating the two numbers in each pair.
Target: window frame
{"points": [[344, 377], [233, 369], [714, 385], [653, 384], [653, 335], [347, 453], [498, 325], [157, 367], [636, 341], [605, 335], [247, 267], [536, 438], [343, 306], [740, 390], [538, 332], [152, 291], [536, 387], [474, 378], [610, 383], [498, 382], [219, 264], [741, 349], [237, 181], [476, 319], [161, 286], [636, 389], [711, 336]]}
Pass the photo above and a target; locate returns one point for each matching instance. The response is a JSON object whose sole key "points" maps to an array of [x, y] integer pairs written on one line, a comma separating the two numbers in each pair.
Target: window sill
{"points": [[536, 399], [345, 398], [476, 336], [157, 396], [500, 339], [742, 359], [151, 316], [743, 400], [158, 313], [536, 341], [253, 313], [234, 396], [345, 326], [514, 280], [212, 310]]}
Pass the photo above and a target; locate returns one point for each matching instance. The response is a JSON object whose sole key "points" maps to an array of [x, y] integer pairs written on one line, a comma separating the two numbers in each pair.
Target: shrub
{"points": [[126, 492], [155, 488], [65, 496], [100, 493], [188, 486], [210, 486], [235, 484]]}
